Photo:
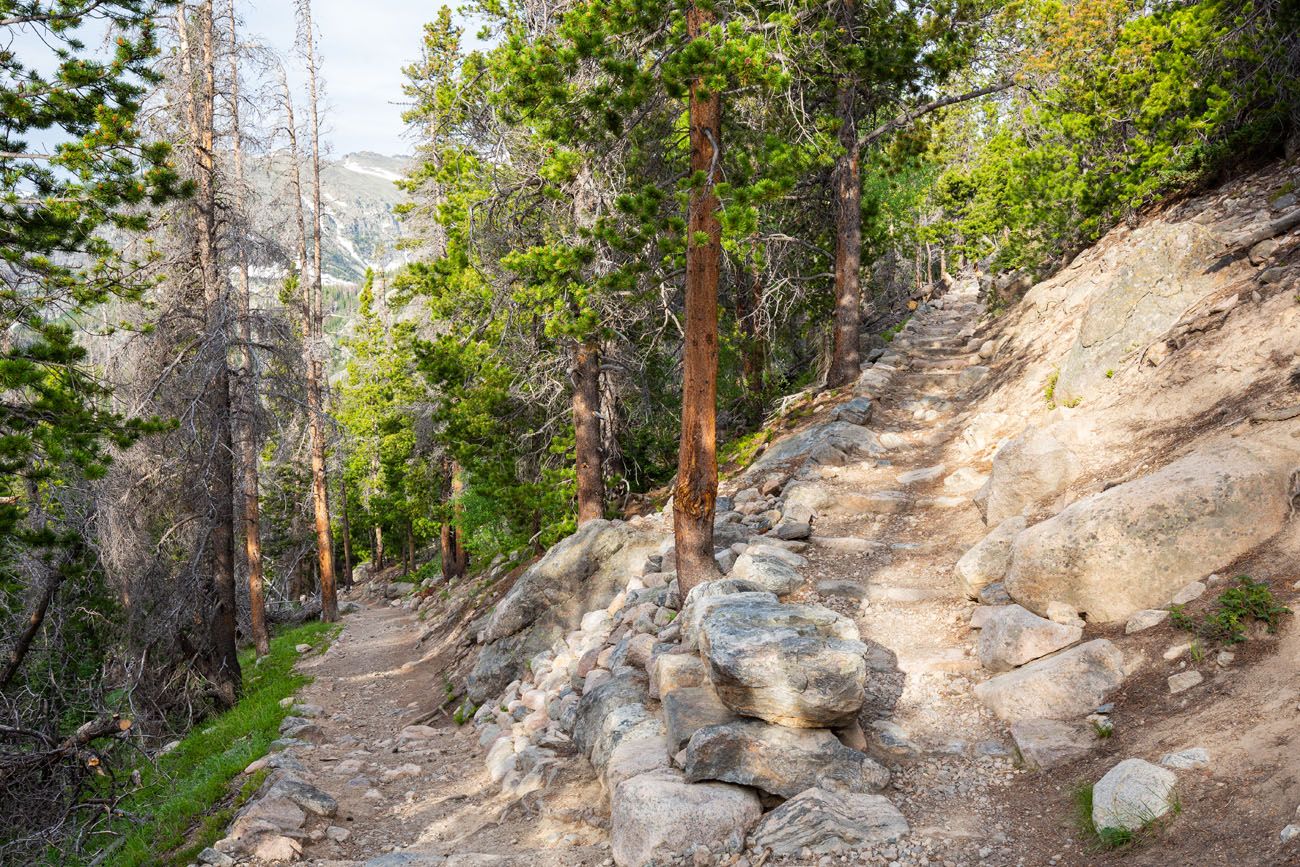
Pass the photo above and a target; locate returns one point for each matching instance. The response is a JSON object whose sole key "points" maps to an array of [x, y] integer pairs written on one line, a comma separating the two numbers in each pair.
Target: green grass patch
{"points": [[1103, 839], [741, 450], [1234, 610], [889, 334], [1049, 390], [178, 794]]}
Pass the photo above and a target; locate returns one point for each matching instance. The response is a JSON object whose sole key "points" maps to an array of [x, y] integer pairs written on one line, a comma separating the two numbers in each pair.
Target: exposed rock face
{"points": [[825, 822], [658, 818], [780, 760], [1070, 684], [1012, 636], [1136, 545], [988, 561], [611, 713], [1132, 794], [582, 573], [1139, 299], [704, 598], [1028, 472], [795, 665], [1046, 743]]}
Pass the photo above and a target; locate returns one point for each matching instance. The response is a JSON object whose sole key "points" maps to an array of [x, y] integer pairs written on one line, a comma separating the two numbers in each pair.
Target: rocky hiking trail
{"points": [[859, 688]]}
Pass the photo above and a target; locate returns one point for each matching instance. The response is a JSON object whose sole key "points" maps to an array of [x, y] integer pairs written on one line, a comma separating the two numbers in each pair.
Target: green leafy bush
{"points": [[1234, 610]]}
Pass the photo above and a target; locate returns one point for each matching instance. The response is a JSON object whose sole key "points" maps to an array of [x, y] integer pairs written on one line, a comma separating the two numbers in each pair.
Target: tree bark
{"points": [[346, 528], [250, 501], [697, 464], [201, 106], [315, 344], [586, 428], [24, 642], [753, 357], [847, 177]]}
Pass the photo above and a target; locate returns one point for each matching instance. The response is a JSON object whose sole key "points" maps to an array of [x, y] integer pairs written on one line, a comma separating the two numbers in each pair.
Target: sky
{"points": [[363, 45]]}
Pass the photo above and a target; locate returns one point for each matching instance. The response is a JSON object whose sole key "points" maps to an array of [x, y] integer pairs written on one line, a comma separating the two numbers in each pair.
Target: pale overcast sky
{"points": [[363, 45]]}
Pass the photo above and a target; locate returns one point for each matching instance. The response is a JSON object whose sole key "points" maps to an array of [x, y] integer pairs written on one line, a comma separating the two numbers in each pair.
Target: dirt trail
{"points": [[428, 796]]}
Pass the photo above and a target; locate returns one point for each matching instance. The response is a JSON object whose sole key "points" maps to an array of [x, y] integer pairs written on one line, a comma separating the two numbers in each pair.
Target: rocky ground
{"points": [[862, 687]]}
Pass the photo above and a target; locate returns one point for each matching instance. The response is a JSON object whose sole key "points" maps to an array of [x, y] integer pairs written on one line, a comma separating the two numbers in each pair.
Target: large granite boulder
{"points": [[779, 760], [1029, 472], [581, 573], [703, 598], [987, 562], [1070, 684], [1046, 743], [825, 822], [658, 818], [1134, 546], [1012, 636], [1155, 276], [613, 712], [1132, 795], [843, 437], [688, 710], [794, 665]]}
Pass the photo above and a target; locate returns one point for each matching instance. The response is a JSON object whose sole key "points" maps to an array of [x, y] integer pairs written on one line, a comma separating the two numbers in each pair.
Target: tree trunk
{"points": [[220, 477], [315, 343], [586, 429], [250, 500], [24, 642], [753, 357], [845, 361], [379, 547], [697, 463], [347, 530], [460, 554]]}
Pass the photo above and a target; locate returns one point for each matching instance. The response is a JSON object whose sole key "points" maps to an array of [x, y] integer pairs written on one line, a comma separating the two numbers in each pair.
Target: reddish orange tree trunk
{"points": [[586, 429], [697, 465], [847, 179]]}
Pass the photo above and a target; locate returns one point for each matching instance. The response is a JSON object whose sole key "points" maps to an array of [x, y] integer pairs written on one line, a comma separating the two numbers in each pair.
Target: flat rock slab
{"points": [[1070, 684], [713, 594], [825, 822], [673, 671], [795, 665], [659, 818], [1013, 635], [686, 711], [780, 760], [922, 476], [1133, 794], [1187, 760], [1142, 620], [1047, 743]]}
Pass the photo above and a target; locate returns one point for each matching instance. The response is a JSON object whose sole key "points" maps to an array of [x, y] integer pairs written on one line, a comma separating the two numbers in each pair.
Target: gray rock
{"points": [[823, 822], [1187, 760], [973, 375], [995, 594], [657, 818], [673, 671], [1142, 620], [1028, 472], [1137, 544], [795, 665], [688, 710], [769, 573], [1190, 593], [790, 558], [890, 741], [632, 758], [599, 703], [215, 859], [704, 598], [1133, 794], [922, 476], [856, 411], [788, 529], [1184, 681], [305, 795], [779, 760], [1066, 685], [582, 573], [1047, 743], [1012, 636], [987, 562], [846, 438]]}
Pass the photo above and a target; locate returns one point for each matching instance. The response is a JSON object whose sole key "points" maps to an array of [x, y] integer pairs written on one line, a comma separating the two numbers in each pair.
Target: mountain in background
{"points": [[358, 198]]}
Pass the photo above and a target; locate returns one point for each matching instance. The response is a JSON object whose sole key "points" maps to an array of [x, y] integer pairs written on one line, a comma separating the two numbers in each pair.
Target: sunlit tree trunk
{"points": [[697, 465]]}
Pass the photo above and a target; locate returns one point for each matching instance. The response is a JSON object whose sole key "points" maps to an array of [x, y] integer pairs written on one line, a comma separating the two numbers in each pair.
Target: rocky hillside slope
{"points": [[1013, 599]]}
